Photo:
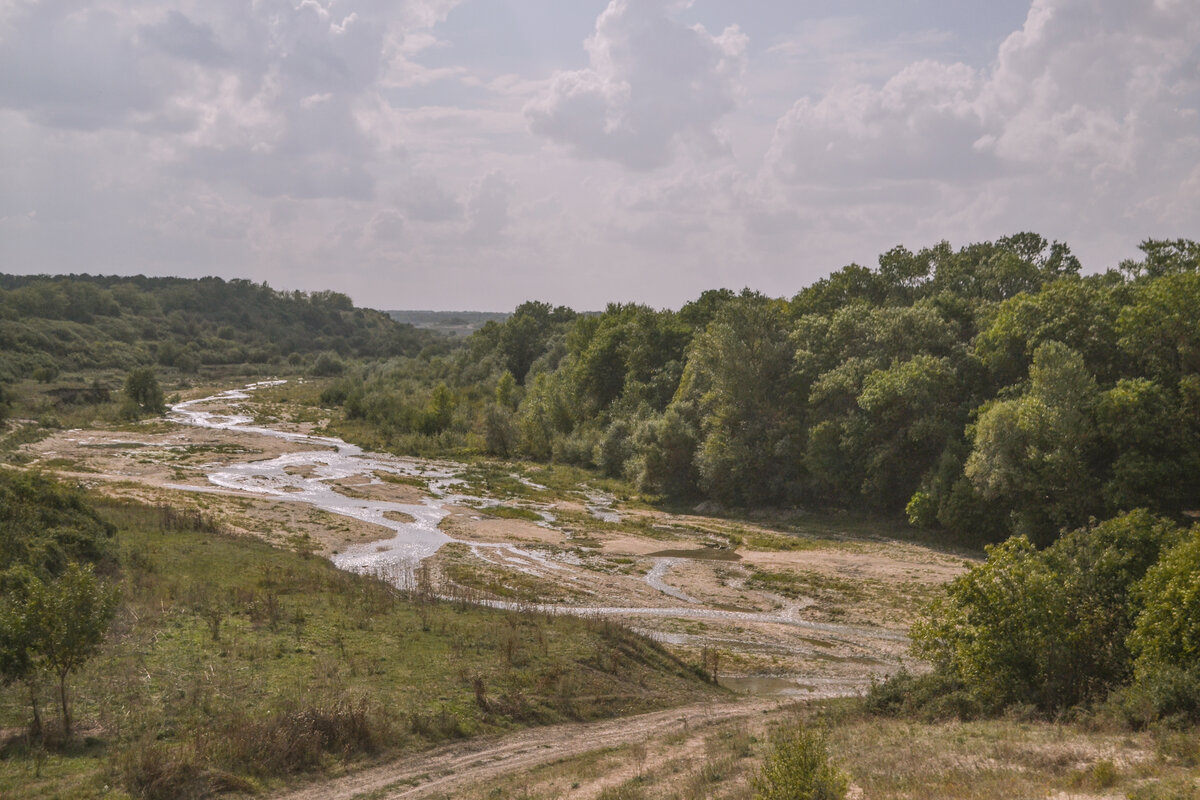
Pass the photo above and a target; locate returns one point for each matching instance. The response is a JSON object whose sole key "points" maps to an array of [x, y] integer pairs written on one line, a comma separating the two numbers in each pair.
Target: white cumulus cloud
{"points": [[652, 83]]}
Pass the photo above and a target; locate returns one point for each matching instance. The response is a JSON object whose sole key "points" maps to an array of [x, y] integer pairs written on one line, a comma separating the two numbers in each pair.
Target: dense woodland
{"points": [[988, 390]]}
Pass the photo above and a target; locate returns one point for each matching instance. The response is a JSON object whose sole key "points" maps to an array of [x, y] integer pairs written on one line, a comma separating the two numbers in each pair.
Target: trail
{"points": [[455, 766]]}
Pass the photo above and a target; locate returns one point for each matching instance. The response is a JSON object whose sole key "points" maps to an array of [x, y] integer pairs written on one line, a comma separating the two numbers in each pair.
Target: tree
{"points": [[141, 388], [71, 616], [1034, 453], [1047, 627], [1167, 631], [20, 634], [989, 630]]}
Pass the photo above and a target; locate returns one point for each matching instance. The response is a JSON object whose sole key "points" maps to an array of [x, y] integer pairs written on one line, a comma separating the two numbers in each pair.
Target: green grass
{"points": [[310, 668]]}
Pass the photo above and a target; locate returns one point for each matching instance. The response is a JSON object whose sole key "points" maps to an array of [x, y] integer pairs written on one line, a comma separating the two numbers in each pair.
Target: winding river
{"points": [[305, 477]]}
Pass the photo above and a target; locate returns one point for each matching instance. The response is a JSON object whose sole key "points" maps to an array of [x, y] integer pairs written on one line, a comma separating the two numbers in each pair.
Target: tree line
{"points": [[989, 390], [54, 324]]}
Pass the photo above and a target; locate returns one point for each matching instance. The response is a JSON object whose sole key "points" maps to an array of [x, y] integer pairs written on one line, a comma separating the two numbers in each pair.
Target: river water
{"points": [[305, 477]]}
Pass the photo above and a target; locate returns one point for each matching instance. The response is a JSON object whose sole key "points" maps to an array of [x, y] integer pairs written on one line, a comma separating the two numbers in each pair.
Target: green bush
{"points": [[141, 387], [1167, 631], [798, 768], [1159, 693], [933, 696], [328, 365], [1049, 628]]}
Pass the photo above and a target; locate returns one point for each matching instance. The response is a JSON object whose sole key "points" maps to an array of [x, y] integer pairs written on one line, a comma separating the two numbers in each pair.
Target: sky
{"points": [[474, 154]]}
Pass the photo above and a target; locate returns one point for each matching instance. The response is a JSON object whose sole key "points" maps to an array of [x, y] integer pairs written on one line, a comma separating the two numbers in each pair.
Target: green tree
{"points": [[1035, 453], [989, 630], [1167, 631], [739, 373], [20, 635], [665, 451], [1098, 569], [142, 389], [71, 617]]}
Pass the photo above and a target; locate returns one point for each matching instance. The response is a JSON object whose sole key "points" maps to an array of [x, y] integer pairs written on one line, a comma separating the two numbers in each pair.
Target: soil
{"points": [[452, 769]]}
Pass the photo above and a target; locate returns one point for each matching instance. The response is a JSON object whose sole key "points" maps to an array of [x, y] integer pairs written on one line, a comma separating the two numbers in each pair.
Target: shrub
{"points": [[141, 387], [798, 768], [328, 365], [1167, 631], [933, 696], [1159, 692]]}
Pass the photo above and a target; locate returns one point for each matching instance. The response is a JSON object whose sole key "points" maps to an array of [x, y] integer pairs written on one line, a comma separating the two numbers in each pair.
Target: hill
{"points": [[53, 324]]}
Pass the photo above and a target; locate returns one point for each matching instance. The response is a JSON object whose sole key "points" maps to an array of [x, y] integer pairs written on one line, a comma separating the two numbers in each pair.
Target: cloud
{"points": [[653, 82], [1084, 86], [487, 208], [266, 96], [1086, 122], [922, 123]]}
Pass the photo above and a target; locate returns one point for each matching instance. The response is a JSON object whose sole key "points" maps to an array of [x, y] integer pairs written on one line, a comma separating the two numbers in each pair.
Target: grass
{"points": [[234, 665], [885, 759]]}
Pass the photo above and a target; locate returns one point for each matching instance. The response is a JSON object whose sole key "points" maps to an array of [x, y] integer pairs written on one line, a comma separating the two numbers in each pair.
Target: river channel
{"points": [[307, 477]]}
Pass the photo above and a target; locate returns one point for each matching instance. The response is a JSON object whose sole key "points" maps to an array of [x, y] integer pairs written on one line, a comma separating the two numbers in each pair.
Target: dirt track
{"points": [[452, 767]]}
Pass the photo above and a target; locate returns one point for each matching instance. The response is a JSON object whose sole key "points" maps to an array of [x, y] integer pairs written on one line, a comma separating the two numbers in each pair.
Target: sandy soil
{"points": [[472, 525], [453, 769]]}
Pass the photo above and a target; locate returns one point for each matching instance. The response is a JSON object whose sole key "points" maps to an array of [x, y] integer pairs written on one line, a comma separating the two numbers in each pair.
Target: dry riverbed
{"points": [[802, 607]]}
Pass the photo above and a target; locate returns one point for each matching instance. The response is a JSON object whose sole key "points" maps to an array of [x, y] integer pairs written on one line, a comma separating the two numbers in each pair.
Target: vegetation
{"points": [[1106, 614], [798, 768], [54, 611], [52, 325], [231, 665], [988, 391]]}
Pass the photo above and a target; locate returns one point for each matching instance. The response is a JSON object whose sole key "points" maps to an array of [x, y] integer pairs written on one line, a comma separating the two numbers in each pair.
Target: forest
{"points": [[986, 391], [992, 393]]}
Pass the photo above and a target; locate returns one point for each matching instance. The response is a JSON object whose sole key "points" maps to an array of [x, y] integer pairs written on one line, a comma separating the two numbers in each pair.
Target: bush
{"points": [[932, 697], [153, 771], [141, 387], [1167, 631], [328, 365], [1159, 693], [1049, 628], [798, 768]]}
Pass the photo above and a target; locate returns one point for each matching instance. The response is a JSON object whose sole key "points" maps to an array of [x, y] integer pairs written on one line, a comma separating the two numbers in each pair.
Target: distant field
{"points": [[451, 323]]}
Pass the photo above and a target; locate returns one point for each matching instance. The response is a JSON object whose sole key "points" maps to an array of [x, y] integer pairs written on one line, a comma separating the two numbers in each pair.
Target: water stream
{"points": [[305, 477]]}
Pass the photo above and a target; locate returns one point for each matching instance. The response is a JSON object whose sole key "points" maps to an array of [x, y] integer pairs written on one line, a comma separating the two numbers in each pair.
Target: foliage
{"points": [[313, 668], [57, 324], [797, 767], [70, 617], [1047, 627], [142, 389], [46, 524], [54, 611], [988, 390], [1167, 631]]}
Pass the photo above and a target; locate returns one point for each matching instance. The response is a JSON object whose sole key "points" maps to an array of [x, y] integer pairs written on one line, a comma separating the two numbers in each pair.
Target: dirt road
{"points": [[444, 769]]}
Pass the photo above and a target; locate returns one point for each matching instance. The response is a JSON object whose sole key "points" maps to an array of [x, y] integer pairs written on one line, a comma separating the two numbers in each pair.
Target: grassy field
{"points": [[234, 665]]}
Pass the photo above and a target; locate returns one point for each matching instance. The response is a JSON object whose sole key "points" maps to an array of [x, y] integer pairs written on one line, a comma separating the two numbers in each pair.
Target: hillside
{"points": [[66, 323]]}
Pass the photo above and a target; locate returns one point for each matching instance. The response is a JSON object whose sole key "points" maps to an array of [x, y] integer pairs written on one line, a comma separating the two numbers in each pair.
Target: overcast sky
{"points": [[472, 154]]}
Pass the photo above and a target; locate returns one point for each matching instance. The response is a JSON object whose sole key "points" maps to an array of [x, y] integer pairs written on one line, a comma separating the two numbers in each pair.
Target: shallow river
{"points": [[305, 476]]}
